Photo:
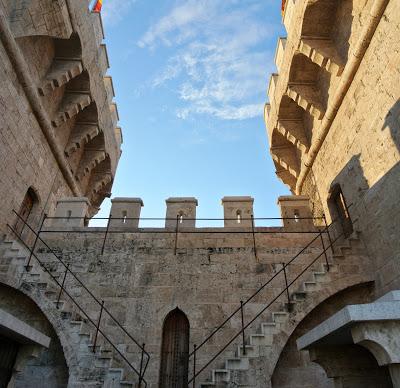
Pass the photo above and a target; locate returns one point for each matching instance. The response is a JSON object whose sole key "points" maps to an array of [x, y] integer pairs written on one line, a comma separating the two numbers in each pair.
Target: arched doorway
{"points": [[175, 351]]}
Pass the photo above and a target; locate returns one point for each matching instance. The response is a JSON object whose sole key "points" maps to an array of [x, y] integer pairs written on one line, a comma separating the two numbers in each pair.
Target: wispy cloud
{"points": [[114, 10], [181, 17], [218, 65]]}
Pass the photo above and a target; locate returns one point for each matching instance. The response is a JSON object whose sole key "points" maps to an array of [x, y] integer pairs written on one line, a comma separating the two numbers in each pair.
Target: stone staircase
{"points": [[102, 368], [266, 341]]}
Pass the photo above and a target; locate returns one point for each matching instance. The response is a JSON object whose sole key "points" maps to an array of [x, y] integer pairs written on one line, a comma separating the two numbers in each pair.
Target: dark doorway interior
{"points": [[175, 351], [8, 355], [25, 210], [342, 211]]}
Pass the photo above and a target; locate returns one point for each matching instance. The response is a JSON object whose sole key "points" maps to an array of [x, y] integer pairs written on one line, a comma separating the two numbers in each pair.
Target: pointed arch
{"points": [[175, 350]]}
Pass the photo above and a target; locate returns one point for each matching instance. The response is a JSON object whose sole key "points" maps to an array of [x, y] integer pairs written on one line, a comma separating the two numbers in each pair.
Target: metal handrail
{"points": [[100, 303], [242, 304], [185, 218]]}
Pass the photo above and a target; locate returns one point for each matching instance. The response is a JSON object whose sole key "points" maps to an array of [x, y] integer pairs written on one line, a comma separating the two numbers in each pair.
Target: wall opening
{"points": [[29, 202], [175, 351], [340, 210]]}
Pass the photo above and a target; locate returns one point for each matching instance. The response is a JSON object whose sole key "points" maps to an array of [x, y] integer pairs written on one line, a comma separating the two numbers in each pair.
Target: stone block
{"points": [[125, 212], [181, 212], [296, 212], [70, 212], [237, 211]]}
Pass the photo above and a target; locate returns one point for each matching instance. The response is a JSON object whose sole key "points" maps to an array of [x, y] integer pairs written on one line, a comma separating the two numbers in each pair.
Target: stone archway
{"points": [[32, 362], [294, 368]]}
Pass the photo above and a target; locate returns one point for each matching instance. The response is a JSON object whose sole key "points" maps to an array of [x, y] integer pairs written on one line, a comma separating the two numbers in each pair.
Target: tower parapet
{"points": [[296, 212], [181, 210], [238, 211], [125, 212]]}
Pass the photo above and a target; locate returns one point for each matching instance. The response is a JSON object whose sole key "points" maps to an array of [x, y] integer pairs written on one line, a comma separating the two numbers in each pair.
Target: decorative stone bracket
{"points": [[375, 327]]}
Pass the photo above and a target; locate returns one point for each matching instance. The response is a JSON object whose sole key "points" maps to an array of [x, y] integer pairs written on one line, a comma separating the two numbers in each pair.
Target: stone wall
{"points": [[141, 280]]}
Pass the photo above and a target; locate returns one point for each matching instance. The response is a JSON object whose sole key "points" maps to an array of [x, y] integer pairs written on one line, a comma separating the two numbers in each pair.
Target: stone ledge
{"points": [[12, 327]]}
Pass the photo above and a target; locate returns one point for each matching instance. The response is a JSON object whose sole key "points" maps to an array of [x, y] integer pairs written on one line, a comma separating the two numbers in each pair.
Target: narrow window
{"points": [[180, 216], [124, 216], [296, 216], [239, 217], [69, 215]]}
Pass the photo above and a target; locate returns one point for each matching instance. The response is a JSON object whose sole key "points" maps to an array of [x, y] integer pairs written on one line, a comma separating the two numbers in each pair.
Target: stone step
{"points": [[251, 351], [237, 363], [299, 296], [12, 252], [261, 339], [321, 277], [114, 374], [280, 316], [220, 375], [269, 328], [310, 286], [127, 384]]}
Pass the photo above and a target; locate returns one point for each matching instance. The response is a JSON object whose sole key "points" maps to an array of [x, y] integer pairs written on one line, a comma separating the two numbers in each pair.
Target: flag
{"points": [[283, 6], [97, 6]]}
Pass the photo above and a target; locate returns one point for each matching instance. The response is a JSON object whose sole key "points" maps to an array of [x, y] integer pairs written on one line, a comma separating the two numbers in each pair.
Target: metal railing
{"points": [[104, 312], [284, 291], [178, 229]]}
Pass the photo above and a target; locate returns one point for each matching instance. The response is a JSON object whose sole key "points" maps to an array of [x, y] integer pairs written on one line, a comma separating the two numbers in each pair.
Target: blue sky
{"points": [[190, 78]]}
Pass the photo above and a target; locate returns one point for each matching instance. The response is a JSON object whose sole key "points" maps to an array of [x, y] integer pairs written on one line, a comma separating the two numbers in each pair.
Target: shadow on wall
{"points": [[351, 185], [352, 180], [392, 121]]}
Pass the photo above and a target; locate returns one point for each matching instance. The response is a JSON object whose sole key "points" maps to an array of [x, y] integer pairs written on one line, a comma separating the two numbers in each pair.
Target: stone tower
{"points": [[311, 300]]}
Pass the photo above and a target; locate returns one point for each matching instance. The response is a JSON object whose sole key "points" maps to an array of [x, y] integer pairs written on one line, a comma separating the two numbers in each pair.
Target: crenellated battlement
{"points": [[125, 213]]}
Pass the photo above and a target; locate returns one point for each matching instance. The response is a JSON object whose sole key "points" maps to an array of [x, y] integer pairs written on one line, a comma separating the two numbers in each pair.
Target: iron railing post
{"points": [[62, 286], [254, 237], [243, 334], [27, 266], [324, 249], [141, 367], [105, 236], [286, 286], [98, 326], [194, 365], [176, 234], [328, 233]]}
